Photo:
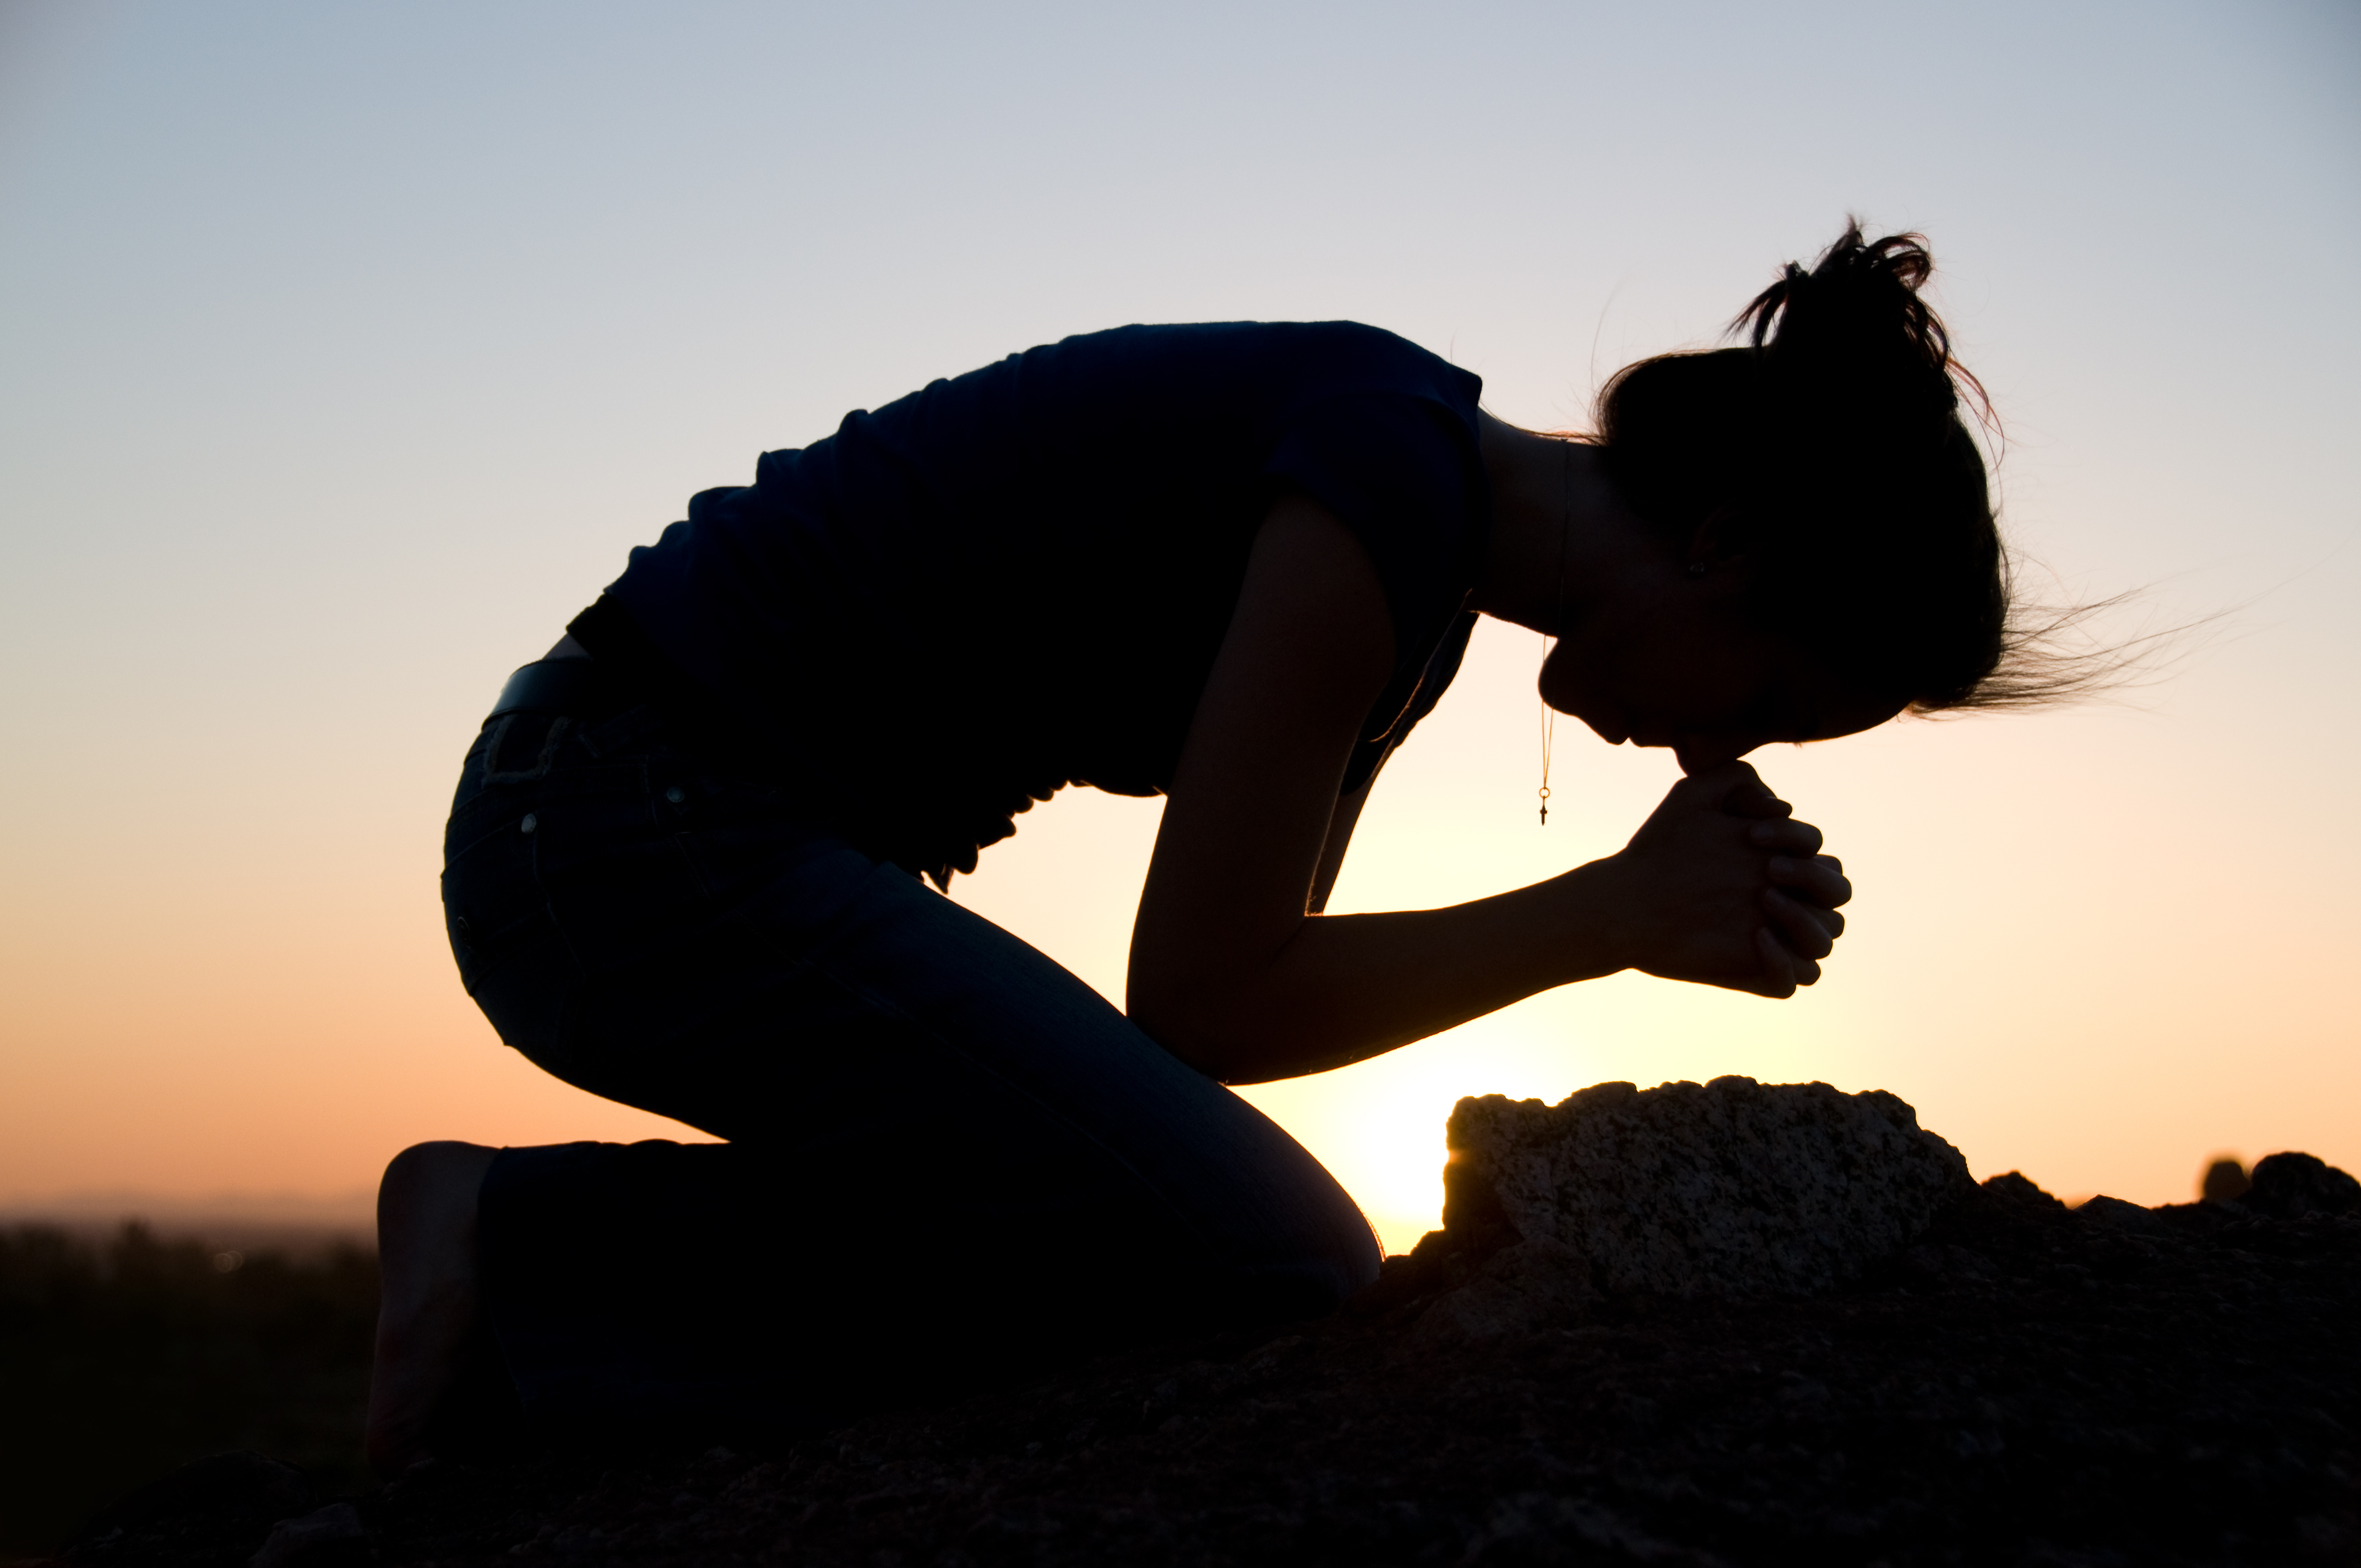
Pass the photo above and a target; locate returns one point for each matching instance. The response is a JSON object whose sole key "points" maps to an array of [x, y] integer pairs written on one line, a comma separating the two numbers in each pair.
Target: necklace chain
{"points": [[1557, 622]]}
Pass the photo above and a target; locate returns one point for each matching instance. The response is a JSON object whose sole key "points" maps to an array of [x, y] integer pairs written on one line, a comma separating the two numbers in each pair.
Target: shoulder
{"points": [[1271, 378], [1348, 358], [1344, 347]]}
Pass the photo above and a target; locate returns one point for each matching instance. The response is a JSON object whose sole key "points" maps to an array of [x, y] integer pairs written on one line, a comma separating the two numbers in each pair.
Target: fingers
{"points": [[1720, 872], [1783, 971], [1829, 920], [1803, 929], [1818, 879], [1750, 796], [1786, 836]]}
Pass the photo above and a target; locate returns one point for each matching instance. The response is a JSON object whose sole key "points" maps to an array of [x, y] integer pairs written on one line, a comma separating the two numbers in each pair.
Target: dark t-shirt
{"points": [[1018, 578]]}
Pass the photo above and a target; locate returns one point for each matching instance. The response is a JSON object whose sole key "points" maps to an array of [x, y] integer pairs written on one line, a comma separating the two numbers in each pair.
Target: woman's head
{"points": [[1826, 463]]}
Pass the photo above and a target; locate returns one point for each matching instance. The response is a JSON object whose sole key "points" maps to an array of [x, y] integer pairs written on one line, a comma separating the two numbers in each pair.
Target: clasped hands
{"points": [[1722, 886]]}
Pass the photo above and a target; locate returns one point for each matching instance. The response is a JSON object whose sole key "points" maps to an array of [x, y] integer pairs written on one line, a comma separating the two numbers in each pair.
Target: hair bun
{"points": [[1855, 321]]}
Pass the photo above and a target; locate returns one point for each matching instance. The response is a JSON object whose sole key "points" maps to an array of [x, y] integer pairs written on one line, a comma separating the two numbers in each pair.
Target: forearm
{"points": [[1232, 972], [1343, 987]]}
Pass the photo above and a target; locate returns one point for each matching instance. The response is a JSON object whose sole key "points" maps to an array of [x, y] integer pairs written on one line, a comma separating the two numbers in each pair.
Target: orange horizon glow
{"points": [[414, 1060], [350, 350]]}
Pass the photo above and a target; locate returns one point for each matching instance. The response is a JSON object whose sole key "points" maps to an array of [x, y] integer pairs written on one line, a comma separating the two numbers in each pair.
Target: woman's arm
{"points": [[1231, 971]]}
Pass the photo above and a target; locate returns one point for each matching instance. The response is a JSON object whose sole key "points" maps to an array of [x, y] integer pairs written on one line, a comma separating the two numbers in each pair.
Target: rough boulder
{"points": [[1726, 1189]]}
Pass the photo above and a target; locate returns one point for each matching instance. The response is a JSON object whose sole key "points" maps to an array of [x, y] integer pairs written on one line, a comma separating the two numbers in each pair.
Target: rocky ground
{"points": [[2019, 1384]]}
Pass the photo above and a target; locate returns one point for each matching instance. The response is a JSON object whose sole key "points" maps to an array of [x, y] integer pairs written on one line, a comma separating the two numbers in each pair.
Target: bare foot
{"points": [[426, 1254]]}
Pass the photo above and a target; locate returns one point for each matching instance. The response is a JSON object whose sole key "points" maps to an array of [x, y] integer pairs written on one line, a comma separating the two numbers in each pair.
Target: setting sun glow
{"points": [[349, 350]]}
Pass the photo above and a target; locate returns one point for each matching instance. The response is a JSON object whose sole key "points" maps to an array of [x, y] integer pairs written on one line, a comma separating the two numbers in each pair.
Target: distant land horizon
{"points": [[251, 1219], [239, 1220]]}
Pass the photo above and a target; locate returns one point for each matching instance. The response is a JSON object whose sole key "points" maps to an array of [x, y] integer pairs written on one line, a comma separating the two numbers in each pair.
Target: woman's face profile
{"points": [[1679, 663]]}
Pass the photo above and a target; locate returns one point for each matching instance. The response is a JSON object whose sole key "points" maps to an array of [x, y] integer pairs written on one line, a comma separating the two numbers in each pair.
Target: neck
{"points": [[1550, 509]]}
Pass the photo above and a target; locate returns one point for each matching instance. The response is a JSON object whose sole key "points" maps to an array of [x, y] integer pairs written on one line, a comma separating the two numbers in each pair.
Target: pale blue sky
{"points": [[343, 350]]}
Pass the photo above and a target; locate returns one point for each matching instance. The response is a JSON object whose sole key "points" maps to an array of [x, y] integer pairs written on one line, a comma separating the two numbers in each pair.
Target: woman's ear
{"points": [[1713, 545]]}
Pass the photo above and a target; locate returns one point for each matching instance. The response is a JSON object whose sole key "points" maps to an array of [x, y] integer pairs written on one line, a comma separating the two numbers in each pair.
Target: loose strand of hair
{"points": [[2052, 655]]}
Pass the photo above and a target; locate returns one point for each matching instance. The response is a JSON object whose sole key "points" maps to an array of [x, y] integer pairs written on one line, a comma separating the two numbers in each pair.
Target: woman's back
{"points": [[1018, 578]]}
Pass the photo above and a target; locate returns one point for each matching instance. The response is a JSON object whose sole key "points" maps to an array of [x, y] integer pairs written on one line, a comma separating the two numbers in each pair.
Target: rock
{"points": [[1519, 1287], [311, 1539], [1724, 1189], [2015, 1190], [2117, 1215], [2223, 1179], [2290, 1186]]}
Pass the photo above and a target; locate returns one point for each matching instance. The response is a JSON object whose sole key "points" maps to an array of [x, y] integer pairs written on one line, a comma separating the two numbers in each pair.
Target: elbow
{"points": [[1194, 1024], [1171, 1022]]}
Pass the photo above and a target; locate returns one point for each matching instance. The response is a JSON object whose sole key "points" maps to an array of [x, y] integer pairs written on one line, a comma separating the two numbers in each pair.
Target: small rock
{"points": [[1518, 1289], [2224, 1181], [2018, 1190], [2290, 1186], [2117, 1215], [1722, 1188], [307, 1538]]}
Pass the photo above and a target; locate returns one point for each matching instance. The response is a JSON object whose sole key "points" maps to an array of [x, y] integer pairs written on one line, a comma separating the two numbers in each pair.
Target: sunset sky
{"points": [[345, 350]]}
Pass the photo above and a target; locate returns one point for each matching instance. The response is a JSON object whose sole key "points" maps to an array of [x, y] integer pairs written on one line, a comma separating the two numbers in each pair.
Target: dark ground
{"points": [[2029, 1385], [125, 1357]]}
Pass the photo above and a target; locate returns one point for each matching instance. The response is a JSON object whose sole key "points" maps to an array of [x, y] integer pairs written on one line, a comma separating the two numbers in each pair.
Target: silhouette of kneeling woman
{"points": [[687, 863]]}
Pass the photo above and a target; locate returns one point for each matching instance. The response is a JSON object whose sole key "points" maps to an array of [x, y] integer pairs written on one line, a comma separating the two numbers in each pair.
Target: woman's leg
{"points": [[937, 1133]]}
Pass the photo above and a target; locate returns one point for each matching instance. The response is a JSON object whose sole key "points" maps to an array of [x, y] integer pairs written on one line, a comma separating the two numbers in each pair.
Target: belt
{"points": [[577, 687]]}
